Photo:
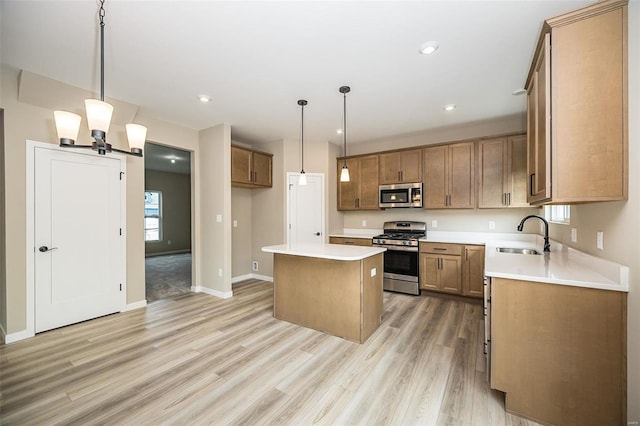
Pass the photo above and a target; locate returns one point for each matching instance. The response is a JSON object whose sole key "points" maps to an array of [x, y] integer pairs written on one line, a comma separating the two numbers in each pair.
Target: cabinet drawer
{"points": [[442, 248], [350, 241]]}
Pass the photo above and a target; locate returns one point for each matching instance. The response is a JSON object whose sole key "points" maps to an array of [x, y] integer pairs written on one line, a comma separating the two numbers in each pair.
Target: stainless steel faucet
{"points": [[547, 246]]}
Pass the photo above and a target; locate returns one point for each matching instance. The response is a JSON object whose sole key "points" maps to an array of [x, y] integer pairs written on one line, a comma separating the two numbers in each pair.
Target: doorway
{"points": [[305, 209], [167, 222]]}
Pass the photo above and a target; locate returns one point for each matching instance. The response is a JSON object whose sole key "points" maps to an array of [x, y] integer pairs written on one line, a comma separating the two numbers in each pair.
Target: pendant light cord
{"points": [[302, 136], [101, 13], [344, 127]]}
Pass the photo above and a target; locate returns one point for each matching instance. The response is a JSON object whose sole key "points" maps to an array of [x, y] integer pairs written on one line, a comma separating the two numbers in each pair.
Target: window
{"points": [[558, 214], [152, 216]]}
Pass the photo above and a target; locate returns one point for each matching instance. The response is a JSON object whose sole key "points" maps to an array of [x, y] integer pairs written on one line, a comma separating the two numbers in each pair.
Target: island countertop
{"points": [[325, 251]]}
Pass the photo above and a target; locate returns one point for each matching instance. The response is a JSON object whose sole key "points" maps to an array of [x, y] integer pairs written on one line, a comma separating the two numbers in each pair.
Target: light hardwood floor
{"points": [[197, 359]]}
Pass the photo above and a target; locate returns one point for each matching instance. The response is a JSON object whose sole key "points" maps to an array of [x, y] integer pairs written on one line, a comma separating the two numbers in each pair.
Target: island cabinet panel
{"points": [[502, 172], [449, 176], [361, 192], [342, 298], [401, 167], [577, 115], [251, 169], [559, 352]]}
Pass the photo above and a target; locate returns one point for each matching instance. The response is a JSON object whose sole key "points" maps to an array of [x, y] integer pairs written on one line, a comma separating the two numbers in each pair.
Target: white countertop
{"points": [[326, 251], [563, 265]]}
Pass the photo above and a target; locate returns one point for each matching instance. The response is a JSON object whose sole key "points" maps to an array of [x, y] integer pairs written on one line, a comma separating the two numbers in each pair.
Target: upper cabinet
{"points": [[361, 192], [401, 166], [449, 176], [502, 172], [577, 116], [250, 169]]}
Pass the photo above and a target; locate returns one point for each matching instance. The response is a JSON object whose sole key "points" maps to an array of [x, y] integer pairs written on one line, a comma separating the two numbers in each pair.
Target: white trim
{"points": [[30, 147], [166, 253], [322, 203], [251, 277], [20, 335], [135, 305], [212, 292]]}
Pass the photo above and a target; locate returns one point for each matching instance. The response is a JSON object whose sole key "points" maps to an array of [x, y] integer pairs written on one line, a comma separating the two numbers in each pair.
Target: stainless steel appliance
{"points": [[401, 265], [401, 195]]}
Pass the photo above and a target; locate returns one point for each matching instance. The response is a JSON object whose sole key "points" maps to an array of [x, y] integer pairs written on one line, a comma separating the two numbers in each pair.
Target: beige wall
{"points": [[3, 249], [241, 201], [176, 211]]}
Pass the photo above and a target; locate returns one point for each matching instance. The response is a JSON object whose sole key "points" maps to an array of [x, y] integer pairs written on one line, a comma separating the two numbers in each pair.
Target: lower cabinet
{"points": [[452, 268], [350, 241]]}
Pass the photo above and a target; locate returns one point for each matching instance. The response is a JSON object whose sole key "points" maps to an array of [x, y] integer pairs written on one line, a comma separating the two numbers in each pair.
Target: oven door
{"points": [[401, 264]]}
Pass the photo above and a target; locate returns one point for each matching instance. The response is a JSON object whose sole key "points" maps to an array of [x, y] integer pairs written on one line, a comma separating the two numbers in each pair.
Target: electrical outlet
{"points": [[492, 224], [434, 223], [218, 218], [235, 223], [374, 272], [600, 240], [254, 265], [168, 242], [219, 272], [364, 223], [574, 235]]}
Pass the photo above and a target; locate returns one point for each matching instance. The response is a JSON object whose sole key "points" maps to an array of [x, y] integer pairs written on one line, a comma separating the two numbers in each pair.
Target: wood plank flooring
{"points": [[197, 359]]}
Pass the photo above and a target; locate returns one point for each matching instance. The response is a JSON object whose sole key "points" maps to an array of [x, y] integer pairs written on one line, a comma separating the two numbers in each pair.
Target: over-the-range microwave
{"points": [[401, 195]]}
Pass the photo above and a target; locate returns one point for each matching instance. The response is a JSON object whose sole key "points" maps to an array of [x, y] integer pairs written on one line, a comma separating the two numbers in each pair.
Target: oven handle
{"points": [[397, 248]]}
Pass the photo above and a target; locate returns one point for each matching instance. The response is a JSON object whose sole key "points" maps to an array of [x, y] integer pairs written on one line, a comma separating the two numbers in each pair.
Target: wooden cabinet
{"points": [[351, 241], [449, 176], [577, 117], [441, 267], [559, 352], [361, 192], [502, 172], [473, 271], [401, 166], [250, 169]]}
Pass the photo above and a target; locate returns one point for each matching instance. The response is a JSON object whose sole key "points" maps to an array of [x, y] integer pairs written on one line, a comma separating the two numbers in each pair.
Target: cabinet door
{"points": [[473, 271], [450, 279], [539, 126], [517, 172], [389, 168], [368, 198], [411, 166], [262, 169], [492, 159], [348, 192], [429, 264], [241, 165], [461, 176], [435, 194]]}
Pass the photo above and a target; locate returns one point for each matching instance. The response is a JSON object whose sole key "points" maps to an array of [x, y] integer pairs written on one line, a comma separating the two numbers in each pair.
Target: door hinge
{"points": [[121, 173], [120, 286], [290, 186], [289, 226], [120, 231]]}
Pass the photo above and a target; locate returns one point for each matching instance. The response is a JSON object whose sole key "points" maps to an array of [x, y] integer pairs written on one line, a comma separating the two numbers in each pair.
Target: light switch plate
{"points": [[492, 224], [600, 240], [574, 235], [235, 223], [219, 272], [364, 223], [434, 223], [218, 218]]}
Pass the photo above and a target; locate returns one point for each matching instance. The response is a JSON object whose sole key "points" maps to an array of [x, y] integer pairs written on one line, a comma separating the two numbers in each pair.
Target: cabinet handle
{"points": [[440, 249], [466, 254], [508, 198], [531, 184], [357, 203], [504, 198], [401, 175]]}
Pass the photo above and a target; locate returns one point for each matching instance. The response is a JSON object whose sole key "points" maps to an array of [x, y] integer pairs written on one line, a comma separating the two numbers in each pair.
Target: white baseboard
{"points": [[14, 337], [135, 305], [212, 292], [251, 277], [262, 277]]}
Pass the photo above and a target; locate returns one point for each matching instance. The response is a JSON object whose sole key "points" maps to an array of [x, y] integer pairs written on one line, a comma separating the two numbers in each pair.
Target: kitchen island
{"points": [[331, 288]]}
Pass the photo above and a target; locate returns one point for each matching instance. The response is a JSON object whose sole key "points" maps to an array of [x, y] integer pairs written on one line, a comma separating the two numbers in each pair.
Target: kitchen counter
{"points": [[326, 251]]}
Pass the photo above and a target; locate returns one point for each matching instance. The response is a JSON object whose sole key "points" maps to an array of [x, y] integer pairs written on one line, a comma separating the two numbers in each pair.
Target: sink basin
{"points": [[517, 250]]}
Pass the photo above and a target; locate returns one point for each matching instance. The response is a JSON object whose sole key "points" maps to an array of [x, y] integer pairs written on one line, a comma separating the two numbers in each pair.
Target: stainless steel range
{"points": [[401, 264]]}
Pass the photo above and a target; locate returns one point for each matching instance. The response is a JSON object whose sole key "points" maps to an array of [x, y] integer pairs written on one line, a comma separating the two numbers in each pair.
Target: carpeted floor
{"points": [[167, 276]]}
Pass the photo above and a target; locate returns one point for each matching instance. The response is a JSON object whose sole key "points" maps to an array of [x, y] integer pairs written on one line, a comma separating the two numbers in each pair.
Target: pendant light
{"points": [[344, 175], [303, 177], [99, 115]]}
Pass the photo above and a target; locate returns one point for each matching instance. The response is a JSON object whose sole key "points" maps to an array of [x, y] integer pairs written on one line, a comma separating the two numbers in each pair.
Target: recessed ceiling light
{"points": [[449, 107], [173, 161], [518, 92], [204, 98], [339, 131], [428, 48]]}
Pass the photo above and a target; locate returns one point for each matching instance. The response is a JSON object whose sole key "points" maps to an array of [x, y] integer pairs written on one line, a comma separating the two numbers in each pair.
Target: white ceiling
{"points": [[256, 59]]}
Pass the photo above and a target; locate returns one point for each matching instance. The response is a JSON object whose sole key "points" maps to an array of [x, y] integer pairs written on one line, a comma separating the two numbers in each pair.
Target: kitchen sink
{"points": [[517, 250]]}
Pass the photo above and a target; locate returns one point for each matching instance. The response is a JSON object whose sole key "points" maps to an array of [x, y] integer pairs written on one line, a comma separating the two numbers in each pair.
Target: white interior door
{"points": [[78, 253], [305, 209]]}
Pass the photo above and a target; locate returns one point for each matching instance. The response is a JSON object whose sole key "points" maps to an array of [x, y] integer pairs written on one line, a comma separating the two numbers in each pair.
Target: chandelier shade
{"points": [[67, 126]]}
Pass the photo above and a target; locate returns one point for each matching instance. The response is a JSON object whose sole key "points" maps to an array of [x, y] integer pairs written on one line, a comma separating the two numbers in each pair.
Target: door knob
{"points": [[317, 234], [45, 248]]}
